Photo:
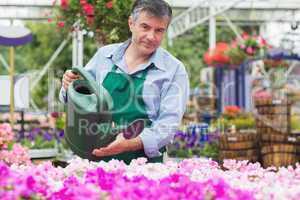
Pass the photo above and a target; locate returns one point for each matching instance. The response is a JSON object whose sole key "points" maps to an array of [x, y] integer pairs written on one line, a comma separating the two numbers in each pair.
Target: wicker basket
{"points": [[270, 139], [279, 155], [274, 116], [242, 145], [246, 139]]}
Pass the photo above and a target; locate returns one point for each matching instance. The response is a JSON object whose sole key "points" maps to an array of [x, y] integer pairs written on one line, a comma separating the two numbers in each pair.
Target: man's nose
{"points": [[151, 35]]}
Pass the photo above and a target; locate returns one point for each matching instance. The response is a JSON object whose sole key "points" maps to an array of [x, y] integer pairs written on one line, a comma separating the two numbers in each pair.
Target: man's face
{"points": [[147, 32]]}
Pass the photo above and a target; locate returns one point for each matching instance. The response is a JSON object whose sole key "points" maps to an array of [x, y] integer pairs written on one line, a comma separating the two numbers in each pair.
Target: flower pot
{"points": [[42, 153]]}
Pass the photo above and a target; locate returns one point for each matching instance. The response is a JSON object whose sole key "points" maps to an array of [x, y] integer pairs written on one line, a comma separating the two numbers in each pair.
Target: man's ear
{"points": [[130, 22]]}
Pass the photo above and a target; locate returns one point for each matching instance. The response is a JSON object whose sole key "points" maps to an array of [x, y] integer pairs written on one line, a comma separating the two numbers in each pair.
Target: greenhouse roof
{"points": [[40, 9]]}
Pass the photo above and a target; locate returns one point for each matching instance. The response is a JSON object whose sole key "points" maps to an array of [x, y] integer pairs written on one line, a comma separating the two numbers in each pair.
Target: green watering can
{"points": [[89, 123]]}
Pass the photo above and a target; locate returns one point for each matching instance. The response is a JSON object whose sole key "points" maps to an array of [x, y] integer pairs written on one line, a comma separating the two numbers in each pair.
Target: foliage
{"points": [[42, 139], [189, 144], [246, 47], [107, 19], [190, 49], [239, 121], [295, 125]]}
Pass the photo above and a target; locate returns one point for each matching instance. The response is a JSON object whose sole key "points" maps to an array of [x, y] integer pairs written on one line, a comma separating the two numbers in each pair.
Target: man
{"points": [[139, 68]]}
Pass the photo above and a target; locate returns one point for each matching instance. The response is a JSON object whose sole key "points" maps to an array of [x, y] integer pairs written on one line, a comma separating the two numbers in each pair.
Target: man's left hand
{"points": [[118, 146]]}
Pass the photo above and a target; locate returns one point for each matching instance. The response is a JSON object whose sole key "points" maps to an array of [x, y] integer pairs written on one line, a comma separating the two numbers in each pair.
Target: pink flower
{"points": [[109, 5], [83, 2], [18, 155], [64, 4], [61, 24], [250, 50], [242, 46], [245, 36], [88, 9], [49, 20]]}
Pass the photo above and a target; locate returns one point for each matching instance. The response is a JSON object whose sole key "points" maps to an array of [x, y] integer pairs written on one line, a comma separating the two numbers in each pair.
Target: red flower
{"points": [[83, 2], [61, 24], [245, 36], [217, 55], [109, 5], [64, 4], [232, 110], [49, 20], [55, 114], [208, 58], [88, 9]]}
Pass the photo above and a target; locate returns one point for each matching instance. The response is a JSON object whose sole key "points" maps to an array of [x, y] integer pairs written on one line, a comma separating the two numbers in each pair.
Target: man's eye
{"points": [[144, 26]]}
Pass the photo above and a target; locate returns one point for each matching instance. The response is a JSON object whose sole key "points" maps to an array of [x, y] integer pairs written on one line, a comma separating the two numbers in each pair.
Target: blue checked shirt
{"points": [[165, 92]]}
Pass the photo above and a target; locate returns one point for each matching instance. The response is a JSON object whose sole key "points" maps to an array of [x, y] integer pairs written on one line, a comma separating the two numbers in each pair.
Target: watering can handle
{"points": [[99, 90]]}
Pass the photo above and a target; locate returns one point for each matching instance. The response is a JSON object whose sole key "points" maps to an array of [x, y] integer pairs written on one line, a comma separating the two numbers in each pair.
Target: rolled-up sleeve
{"points": [[62, 95], [174, 98]]}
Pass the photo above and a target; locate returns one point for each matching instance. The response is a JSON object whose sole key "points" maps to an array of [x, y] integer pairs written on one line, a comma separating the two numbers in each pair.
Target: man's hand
{"points": [[118, 146], [69, 77]]}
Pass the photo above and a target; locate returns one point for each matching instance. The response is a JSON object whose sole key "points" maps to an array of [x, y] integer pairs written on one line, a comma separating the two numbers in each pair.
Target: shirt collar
{"points": [[156, 58]]}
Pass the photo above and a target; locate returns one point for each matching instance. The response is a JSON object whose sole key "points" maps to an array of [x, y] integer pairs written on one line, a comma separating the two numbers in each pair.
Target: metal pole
{"points": [[11, 77], [74, 48], [80, 48], [212, 27], [212, 44]]}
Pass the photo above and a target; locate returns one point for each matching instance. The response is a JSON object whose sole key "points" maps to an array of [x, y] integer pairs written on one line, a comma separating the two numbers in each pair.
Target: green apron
{"points": [[128, 105]]}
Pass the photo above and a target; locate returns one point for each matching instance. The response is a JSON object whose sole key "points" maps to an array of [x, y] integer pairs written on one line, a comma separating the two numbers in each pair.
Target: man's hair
{"points": [[157, 8]]}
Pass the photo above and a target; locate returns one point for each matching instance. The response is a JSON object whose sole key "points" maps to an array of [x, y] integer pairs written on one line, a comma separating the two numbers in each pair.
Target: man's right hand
{"points": [[69, 77]]}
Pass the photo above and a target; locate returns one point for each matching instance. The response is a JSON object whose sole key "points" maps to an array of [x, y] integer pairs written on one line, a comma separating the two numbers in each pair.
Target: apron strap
{"points": [[114, 68]]}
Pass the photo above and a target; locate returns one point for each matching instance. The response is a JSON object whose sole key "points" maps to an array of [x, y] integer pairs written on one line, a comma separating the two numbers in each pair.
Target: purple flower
{"points": [[47, 136], [61, 133]]}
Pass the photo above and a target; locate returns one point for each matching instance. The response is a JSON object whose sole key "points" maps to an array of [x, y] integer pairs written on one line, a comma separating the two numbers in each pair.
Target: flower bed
{"points": [[189, 179]]}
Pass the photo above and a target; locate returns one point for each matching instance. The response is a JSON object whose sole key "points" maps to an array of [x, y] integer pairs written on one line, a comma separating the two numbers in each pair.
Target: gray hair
{"points": [[157, 8]]}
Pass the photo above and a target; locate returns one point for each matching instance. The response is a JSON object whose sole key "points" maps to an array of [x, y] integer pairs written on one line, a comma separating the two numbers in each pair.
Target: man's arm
{"points": [[172, 107]]}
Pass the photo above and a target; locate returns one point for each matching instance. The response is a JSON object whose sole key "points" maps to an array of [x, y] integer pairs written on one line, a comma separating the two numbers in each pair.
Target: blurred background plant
{"points": [[234, 117], [10, 151], [246, 47], [105, 19], [234, 53], [194, 141]]}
